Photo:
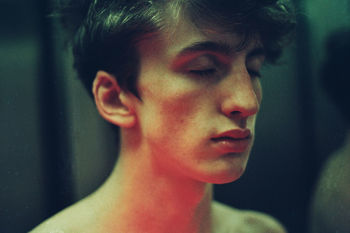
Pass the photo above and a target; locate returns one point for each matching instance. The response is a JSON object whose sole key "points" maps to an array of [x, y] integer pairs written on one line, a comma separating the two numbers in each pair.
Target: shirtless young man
{"points": [[181, 80]]}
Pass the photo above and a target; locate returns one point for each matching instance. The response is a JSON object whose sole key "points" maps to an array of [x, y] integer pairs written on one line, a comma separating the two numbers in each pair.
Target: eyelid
{"points": [[181, 61], [254, 65], [202, 63], [256, 60]]}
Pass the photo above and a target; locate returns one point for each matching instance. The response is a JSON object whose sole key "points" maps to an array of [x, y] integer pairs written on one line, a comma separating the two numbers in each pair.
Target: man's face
{"points": [[200, 97]]}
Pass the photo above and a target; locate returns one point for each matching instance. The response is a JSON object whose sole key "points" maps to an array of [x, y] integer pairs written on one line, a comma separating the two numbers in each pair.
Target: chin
{"points": [[224, 175], [226, 178]]}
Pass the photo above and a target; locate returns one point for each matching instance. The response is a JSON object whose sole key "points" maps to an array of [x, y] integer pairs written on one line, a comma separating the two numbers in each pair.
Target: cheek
{"points": [[172, 128], [169, 108], [172, 95], [179, 113]]}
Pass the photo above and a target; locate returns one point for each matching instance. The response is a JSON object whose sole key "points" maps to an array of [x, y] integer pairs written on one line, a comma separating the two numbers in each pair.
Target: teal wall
{"points": [[324, 18], [21, 177]]}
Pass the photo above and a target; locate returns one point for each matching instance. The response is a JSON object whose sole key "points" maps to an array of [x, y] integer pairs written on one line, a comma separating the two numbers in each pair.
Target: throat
{"points": [[159, 206], [142, 196], [174, 211]]}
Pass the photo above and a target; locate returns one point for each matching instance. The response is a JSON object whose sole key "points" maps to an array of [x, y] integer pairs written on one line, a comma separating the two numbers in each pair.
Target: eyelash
{"points": [[209, 72], [205, 72], [254, 73]]}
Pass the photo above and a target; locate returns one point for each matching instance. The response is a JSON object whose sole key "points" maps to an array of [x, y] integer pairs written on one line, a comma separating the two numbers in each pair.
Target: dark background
{"points": [[46, 117]]}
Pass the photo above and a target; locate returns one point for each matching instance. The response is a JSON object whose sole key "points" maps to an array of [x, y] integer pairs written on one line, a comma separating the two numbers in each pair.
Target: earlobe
{"points": [[113, 103]]}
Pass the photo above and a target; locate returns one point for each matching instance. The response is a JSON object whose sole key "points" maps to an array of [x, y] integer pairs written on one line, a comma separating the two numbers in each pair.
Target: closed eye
{"points": [[204, 72], [254, 74]]}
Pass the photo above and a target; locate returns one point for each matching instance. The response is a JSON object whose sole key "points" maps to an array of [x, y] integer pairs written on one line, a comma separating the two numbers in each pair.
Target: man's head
{"points": [[105, 33], [181, 78]]}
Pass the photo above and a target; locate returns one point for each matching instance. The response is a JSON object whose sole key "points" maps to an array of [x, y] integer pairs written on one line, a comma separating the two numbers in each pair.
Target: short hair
{"points": [[104, 33], [335, 70]]}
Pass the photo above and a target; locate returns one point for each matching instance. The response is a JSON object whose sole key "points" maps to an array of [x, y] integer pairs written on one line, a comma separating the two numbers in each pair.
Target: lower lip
{"points": [[232, 145]]}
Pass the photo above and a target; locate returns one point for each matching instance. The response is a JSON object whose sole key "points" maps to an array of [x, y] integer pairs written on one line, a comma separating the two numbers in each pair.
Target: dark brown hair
{"points": [[104, 33]]}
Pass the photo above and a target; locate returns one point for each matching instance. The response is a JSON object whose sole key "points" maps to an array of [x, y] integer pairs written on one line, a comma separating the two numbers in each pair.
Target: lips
{"points": [[234, 134], [232, 141]]}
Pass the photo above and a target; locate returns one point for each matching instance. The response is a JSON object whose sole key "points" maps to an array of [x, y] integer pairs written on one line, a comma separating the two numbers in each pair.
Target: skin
{"points": [[331, 200], [189, 93]]}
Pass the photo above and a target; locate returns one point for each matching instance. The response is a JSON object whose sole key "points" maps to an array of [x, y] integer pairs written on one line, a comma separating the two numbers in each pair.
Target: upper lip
{"points": [[234, 134]]}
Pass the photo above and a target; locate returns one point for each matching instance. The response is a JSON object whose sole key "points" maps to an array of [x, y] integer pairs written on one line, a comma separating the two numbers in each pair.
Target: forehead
{"points": [[180, 34]]}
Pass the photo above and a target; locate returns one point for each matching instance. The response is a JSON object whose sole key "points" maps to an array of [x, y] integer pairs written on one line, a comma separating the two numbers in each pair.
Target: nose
{"points": [[241, 97]]}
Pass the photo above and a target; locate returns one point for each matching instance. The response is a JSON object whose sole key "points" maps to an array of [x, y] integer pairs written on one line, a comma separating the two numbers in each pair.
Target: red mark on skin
{"points": [[183, 59]]}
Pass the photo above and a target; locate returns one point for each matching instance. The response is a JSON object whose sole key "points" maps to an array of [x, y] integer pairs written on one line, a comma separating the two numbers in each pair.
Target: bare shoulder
{"points": [[229, 220], [261, 222], [55, 224], [75, 218]]}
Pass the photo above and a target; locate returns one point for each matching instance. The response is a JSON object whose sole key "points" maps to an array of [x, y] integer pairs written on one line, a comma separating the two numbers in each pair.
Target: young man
{"points": [[181, 80]]}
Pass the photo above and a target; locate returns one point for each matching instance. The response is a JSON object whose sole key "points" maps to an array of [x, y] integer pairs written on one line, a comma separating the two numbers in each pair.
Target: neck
{"points": [[140, 198]]}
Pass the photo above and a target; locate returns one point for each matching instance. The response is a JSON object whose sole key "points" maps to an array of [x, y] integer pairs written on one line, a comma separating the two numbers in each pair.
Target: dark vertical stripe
{"points": [[306, 93], [307, 110], [53, 118]]}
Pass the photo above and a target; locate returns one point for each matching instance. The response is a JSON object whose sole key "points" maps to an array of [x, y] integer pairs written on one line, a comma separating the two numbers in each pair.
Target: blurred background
{"points": [[55, 149]]}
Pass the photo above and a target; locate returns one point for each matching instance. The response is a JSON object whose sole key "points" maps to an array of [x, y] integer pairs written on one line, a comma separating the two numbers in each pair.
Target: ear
{"points": [[113, 103]]}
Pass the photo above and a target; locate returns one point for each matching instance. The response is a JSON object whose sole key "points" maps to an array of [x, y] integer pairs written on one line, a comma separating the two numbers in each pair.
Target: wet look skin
{"points": [[191, 126]]}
